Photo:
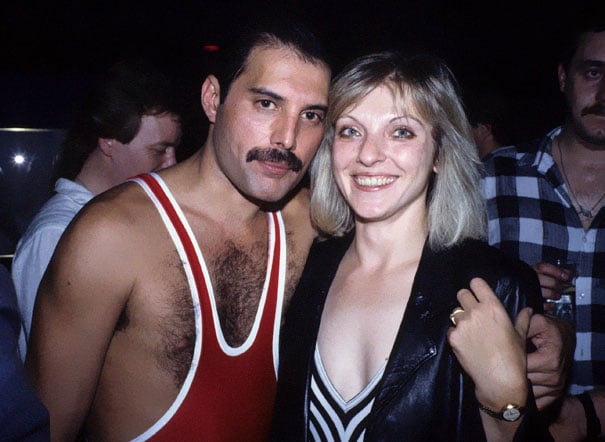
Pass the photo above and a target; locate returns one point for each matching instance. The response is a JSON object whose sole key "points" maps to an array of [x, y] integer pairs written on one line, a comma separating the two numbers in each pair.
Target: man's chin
{"points": [[277, 194]]}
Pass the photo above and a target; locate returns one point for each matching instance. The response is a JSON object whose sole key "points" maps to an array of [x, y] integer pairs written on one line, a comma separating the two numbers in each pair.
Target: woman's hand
{"points": [[489, 348]]}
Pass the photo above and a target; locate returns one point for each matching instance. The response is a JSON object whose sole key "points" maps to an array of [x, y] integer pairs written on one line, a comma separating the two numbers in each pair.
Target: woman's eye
{"points": [[403, 133], [348, 132]]}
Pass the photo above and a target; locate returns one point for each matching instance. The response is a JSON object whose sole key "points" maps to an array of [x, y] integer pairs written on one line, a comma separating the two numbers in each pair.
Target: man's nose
{"points": [[285, 130]]}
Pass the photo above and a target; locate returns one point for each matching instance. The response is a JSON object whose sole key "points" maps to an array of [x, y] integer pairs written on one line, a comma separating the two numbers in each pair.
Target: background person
{"points": [[129, 124], [22, 415], [489, 113], [544, 200], [545, 203]]}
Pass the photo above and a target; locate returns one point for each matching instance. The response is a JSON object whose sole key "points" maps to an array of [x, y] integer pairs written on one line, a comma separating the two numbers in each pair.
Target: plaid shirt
{"points": [[531, 217]]}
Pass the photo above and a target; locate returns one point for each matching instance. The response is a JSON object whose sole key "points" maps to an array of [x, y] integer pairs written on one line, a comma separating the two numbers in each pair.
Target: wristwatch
{"points": [[510, 413]]}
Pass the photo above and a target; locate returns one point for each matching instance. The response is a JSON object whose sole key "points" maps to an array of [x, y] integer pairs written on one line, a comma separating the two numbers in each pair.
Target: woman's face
{"points": [[382, 159]]}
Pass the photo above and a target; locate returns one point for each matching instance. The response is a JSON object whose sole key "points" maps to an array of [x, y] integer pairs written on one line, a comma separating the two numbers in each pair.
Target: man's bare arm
{"points": [[575, 418], [78, 304]]}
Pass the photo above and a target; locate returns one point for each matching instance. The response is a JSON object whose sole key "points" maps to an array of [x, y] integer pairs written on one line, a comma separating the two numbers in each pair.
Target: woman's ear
{"points": [[211, 97]]}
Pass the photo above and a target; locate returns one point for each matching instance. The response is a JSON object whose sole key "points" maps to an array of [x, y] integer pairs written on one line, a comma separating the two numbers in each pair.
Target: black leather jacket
{"points": [[425, 395]]}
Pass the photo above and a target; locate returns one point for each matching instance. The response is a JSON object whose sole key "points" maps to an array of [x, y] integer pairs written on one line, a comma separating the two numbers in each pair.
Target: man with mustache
{"points": [[545, 203], [159, 315]]}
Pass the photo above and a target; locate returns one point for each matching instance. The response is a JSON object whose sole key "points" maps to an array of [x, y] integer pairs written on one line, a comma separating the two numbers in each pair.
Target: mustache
{"points": [[596, 109], [273, 155]]}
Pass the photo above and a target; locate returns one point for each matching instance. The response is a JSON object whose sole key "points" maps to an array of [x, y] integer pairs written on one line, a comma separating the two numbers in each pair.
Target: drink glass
{"points": [[565, 306]]}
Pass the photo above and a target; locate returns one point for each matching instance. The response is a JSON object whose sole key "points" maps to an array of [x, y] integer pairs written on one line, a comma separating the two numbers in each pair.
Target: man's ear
{"points": [[211, 97], [562, 77], [106, 145]]}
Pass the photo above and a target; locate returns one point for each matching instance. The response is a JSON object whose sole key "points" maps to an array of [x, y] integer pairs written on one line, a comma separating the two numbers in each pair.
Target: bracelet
{"points": [[593, 424]]}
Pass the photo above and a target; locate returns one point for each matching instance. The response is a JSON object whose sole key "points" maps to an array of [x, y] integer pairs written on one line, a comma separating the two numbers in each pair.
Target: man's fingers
{"points": [[548, 380], [554, 272], [545, 401], [522, 322]]}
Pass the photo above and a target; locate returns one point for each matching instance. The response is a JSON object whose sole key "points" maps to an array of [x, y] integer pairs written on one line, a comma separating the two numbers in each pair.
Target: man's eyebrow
{"points": [[319, 107], [267, 92], [592, 63]]}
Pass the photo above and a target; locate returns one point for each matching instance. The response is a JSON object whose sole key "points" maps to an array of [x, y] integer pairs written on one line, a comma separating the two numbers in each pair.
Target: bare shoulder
{"points": [[117, 206], [99, 245], [296, 216], [300, 234], [112, 216]]}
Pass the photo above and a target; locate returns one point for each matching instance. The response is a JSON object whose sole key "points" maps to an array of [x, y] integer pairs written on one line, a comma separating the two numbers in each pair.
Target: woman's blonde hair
{"points": [[456, 209]]}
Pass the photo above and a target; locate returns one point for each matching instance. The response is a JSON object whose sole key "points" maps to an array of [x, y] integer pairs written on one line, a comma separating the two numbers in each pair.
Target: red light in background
{"points": [[210, 48]]}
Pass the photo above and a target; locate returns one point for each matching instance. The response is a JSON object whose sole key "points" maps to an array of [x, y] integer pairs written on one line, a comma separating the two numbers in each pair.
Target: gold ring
{"points": [[454, 313]]}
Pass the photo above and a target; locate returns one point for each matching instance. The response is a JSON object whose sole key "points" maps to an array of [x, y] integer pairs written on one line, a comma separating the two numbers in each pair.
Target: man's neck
{"points": [[217, 194], [94, 183], [96, 174], [578, 150], [583, 169]]}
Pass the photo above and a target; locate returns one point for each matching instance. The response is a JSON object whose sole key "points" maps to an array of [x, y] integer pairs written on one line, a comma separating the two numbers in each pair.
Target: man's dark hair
{"points": [[493, 108], [275, 32], [587, 17], [118, 100]]}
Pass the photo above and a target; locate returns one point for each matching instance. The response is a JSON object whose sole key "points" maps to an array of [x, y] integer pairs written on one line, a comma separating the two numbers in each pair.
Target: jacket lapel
{"points": [[421, 328]]}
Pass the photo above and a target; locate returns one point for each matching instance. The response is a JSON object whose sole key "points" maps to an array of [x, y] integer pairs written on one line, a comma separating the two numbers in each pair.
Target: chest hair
{"points": [[238, 276]]}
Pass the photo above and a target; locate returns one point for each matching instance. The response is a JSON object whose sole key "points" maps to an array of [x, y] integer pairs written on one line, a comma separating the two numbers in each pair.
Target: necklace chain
{"points": [[580, 210]]}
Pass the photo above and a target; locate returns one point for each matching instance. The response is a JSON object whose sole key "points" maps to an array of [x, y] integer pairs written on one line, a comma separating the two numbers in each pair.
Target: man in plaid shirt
{"points": [[545, 201]]}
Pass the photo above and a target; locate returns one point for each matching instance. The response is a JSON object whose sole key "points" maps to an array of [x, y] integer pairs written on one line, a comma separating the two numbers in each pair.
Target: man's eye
{"points": [[160, 151], [266, 104], [313, 116], [593, 74]]}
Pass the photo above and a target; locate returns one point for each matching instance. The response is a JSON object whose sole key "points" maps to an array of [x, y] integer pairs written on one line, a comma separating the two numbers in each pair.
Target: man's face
{"points": [[151, 149], [271, 122], [584, 89]]}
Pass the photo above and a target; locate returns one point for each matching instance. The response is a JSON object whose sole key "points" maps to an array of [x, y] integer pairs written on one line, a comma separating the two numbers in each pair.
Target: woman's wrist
{"points": [[498, 399]]}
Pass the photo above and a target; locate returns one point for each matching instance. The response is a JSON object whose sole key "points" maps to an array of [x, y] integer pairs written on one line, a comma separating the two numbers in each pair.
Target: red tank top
{"points": [[229, 392]]}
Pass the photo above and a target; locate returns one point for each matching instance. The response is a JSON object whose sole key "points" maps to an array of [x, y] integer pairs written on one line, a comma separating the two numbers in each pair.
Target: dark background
{"points": [[51, 50]]}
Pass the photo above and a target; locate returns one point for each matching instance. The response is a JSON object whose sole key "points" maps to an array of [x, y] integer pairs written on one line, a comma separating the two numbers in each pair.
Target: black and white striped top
{"points": [[331, 417]]}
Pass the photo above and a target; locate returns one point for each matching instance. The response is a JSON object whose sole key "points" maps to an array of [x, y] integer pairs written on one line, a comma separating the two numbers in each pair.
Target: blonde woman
{"points": [[391, 334]]}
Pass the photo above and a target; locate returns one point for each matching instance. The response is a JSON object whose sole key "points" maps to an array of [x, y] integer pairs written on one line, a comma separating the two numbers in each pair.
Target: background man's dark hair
{"points": [[273, 32], [588, 16], [118, 100], [492, 108]]}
